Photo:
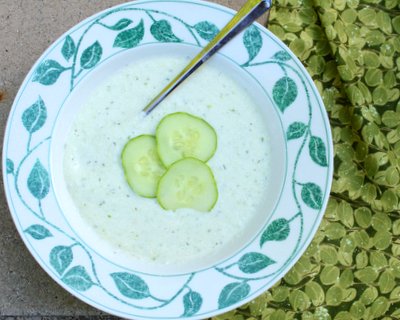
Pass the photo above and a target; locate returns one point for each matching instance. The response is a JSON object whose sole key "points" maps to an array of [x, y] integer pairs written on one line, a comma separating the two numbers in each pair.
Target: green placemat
{"points": [[352, 268]]}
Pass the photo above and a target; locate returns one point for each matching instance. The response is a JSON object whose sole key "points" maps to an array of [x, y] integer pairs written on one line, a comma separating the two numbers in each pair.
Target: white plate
{"points": [[303, 160]]}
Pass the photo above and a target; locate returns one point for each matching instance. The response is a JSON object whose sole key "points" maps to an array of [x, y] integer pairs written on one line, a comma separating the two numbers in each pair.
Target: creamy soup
{"points": [[139, 226]]}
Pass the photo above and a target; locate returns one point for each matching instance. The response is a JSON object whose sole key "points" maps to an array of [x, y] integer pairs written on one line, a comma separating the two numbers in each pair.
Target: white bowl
{"points": [[88, 266]]}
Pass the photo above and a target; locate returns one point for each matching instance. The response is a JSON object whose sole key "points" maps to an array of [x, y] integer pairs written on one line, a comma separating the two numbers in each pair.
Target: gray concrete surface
{"points": [[27, 28]]}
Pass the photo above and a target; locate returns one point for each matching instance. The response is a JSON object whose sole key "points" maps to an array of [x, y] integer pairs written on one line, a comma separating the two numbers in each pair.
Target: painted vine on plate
{"points": [[128, 37], [130, 34]]}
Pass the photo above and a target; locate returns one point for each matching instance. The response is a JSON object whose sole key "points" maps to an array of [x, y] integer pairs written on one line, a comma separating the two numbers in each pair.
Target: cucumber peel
{"points": [[188, 183], [142, 166], [181, 135]]}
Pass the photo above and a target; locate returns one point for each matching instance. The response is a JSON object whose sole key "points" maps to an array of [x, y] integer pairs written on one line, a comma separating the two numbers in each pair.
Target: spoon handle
{"points": [[250, 11]]}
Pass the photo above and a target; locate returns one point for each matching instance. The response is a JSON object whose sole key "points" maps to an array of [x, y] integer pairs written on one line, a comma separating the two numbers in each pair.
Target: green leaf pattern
{"points": [[252, 40], [233, 293], [38, 232], [192, 302], [130, 38], [130, 285], [312, 195], [9, 166], [162, 31], [68, 49], [78, 279], [253, 262], [206, 30], [278, 230], [318, 151], [282, 56], [35, 116], [38, 181], [284, 92], [60, 258], [296, 130], [91, 56], [120, 25], [48, 72]]}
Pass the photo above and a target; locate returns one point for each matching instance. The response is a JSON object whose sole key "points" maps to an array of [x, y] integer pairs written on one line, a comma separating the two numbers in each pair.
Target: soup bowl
{"points": [[89, 265]]}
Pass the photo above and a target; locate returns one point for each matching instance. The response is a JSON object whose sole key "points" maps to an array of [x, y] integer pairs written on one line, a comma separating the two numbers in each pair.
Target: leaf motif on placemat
{"points": [[38, 232], [60, 258], [78, 279], [131, 37], [253, 262], [233, 293], [315, 292], [38, 181], [192, 302], [130, 285], [162, 31], [34, 117]]}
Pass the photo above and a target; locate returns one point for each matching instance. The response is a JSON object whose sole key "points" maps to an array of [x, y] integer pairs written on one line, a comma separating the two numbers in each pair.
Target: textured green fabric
{"points": [[352, 268]]}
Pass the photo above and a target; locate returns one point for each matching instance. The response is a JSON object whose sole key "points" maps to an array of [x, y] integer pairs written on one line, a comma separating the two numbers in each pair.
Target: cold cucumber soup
{"points": [[139, 226]]}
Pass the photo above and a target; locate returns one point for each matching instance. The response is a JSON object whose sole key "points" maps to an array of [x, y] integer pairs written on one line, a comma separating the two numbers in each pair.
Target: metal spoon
{"points": [[250, 11]]}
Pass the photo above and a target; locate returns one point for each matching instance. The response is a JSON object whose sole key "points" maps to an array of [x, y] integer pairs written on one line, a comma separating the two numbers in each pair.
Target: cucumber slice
{"points": [[188, 183], [142, 166], [181, 135]]}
